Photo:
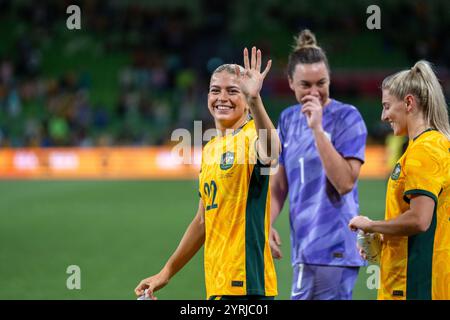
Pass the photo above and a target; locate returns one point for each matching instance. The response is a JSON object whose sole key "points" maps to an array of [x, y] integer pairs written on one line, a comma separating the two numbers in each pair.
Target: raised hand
{"points": [[251, 78], [313, 110]]}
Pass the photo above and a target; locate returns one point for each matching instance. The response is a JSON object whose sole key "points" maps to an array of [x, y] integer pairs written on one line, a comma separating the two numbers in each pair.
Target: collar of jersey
{"points": [[426, 130], [235, 132]]}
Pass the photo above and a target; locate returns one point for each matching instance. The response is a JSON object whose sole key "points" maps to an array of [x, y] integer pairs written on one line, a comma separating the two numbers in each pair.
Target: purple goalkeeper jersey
{"points": [[319, 216]]}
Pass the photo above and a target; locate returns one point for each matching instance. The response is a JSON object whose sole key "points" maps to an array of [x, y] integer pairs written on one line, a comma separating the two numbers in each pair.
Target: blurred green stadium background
{"points": [[138, 69]]}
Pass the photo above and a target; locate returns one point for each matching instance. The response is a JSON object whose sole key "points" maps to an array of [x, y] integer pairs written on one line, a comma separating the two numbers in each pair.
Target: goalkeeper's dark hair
{"points": [[305, 51]]}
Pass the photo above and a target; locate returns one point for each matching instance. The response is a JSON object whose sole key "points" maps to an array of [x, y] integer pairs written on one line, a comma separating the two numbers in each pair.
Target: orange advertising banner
{"points": [[126, 163], [375, 165]]}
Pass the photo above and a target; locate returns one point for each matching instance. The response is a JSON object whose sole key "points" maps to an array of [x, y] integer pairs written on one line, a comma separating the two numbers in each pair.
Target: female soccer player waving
{"points": [[233, 217]]}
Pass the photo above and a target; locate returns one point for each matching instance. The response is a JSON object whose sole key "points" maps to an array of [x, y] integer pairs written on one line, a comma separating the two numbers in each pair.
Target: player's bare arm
{"points": [[278, 191], [189, 245], [252, 80], [341, 172], [415, 220]]}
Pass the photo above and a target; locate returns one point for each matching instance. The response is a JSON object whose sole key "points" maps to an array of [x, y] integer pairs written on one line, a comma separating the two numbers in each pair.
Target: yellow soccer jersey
{"points": [[418, 267], [236, 195]]}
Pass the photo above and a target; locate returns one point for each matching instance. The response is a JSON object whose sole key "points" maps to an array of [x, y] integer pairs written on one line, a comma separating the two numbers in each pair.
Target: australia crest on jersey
{"points": [[396, 172], [227, 160]]}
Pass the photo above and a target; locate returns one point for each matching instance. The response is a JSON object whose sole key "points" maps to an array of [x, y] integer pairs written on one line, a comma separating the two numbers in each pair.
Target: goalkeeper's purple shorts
{"points": [[316, 282]]}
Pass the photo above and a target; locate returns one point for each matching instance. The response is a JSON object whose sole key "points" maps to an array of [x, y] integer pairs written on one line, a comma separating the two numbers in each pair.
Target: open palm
{"points": [[251, 78]]}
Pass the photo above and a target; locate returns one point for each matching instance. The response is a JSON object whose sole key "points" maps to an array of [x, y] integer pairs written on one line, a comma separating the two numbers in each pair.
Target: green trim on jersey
{"points": [[255, 231], [420, 256], [422, 193]]}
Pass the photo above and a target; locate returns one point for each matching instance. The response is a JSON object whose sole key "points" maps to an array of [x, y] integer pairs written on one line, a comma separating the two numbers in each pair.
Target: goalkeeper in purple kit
{"points": [[323, 144]]}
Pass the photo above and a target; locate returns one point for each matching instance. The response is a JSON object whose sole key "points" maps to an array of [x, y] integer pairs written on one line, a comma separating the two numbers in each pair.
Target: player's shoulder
{"points": [[430, 151], [431, 142], [289, 111], [288, 115], [343, 110], [346, 116], [250, 125]]}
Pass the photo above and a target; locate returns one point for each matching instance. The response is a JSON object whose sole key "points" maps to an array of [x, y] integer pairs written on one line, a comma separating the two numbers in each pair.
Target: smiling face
{"points": [[311, 79], [394, 112], [226, 101]]}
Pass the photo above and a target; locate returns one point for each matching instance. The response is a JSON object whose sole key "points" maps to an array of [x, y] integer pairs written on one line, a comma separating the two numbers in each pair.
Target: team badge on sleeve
{"points": [[396, 172]]}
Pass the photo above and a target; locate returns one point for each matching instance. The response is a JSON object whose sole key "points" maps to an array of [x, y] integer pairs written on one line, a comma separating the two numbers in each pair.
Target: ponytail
{"points": [[421, 81]]}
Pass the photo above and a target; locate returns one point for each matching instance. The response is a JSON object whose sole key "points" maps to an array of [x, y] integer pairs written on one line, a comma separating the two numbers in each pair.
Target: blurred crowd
{"points": [[171, 50]]}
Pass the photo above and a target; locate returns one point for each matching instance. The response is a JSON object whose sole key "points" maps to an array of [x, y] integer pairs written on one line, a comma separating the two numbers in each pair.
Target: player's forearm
{"points": [[404, 225], [193, 239], [337, 169], [279, 189], [278, 197], [275, 211], [269, 141]]}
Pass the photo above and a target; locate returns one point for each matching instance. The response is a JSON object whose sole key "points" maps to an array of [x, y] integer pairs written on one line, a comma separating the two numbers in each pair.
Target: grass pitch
{"points": [[117, 232]]}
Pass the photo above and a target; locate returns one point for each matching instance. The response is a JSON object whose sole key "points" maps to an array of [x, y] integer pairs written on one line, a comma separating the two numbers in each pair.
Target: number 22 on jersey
{"points": [[211, 191]]}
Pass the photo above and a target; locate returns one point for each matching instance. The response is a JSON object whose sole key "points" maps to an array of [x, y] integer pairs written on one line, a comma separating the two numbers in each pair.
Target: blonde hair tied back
{"points": [[421, 81]]}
